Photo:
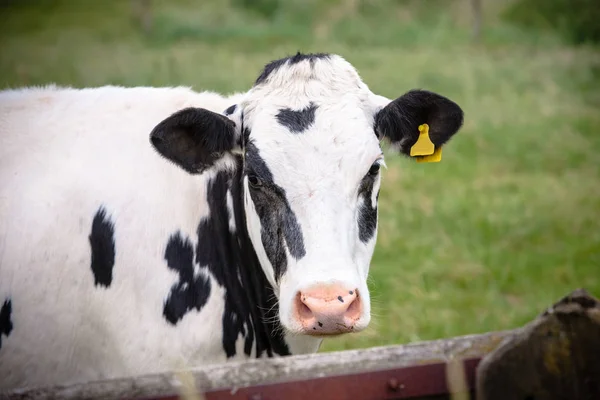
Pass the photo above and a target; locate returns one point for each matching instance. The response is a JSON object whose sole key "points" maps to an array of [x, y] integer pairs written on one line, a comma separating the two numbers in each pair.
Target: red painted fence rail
{"points": [[417, 382], [412, 371]]}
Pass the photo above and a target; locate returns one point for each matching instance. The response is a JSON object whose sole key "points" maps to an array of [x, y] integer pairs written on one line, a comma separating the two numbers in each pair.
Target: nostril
{"points": [[354, 305], [304, 311], [354, 308]]}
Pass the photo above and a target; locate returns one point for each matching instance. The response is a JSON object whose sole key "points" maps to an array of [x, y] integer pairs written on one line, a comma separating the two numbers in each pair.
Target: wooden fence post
{"points": [[477, 19], [142, 11]]}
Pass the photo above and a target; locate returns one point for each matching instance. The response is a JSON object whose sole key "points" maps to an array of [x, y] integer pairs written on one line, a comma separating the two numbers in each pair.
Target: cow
{"points": [[148, 229]]}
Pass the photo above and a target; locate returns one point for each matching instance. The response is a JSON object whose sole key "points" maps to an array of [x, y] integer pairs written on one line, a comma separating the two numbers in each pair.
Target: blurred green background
{"points": [[505, 225]]}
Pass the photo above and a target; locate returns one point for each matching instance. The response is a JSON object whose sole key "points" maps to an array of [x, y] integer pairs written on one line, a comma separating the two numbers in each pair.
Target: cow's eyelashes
{"points": [[254, 181]]}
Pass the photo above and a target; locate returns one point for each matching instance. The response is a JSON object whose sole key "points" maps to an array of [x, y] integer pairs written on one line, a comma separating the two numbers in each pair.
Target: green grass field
{"points": [[506, 224]]}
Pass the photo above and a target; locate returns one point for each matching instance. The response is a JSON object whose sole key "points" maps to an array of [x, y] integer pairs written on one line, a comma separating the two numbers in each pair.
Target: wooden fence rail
{"points": [[399, 370]]}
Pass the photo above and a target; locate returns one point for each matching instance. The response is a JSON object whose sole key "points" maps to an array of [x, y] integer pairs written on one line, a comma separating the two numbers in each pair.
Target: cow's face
{"points": [[309, 134]]}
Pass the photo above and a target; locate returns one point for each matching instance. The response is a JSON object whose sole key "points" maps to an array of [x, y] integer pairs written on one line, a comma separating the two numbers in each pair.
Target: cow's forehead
{"points": [[318, 139], [312, 117], [294, 83]]}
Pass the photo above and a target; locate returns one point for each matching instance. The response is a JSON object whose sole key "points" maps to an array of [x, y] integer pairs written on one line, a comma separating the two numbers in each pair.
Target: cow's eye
{"points": [[374, 170], [254, 181]]}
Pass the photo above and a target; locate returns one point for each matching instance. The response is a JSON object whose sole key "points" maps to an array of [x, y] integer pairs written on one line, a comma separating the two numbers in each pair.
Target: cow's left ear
{"points": [[400, 119], [195, 138]]}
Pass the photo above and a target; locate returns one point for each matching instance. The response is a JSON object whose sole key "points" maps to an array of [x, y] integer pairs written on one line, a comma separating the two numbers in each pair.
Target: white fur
{"points": [[65, 152]]}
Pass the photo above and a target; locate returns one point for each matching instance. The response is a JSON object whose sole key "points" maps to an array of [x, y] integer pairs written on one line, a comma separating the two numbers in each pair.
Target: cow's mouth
{"points": [[331, 334]]}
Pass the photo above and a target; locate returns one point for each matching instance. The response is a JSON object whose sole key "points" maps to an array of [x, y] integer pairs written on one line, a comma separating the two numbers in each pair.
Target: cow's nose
{"points": [[327, 310]]}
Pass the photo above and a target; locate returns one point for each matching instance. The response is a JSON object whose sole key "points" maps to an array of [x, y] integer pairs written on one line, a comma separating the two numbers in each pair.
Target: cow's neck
{"points": [[250, 303]]}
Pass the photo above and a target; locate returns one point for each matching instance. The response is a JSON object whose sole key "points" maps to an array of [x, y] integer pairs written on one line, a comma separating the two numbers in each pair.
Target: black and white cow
{"points": [[148, 229]]}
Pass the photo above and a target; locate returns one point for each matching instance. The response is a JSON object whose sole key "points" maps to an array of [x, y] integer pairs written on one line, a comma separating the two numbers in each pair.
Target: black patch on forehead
{"points": [[275, 65], [190, 292], [6, 325], [278, 222], [230, 110], [297, 121], [367, 214], [102, 243]]}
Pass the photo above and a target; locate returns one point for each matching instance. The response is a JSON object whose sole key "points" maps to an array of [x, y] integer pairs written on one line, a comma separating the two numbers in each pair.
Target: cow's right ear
{"points": [[400, 119], [195, 138]]}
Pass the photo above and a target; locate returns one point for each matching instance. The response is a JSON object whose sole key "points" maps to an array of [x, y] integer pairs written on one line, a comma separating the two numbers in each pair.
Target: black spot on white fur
{"points": [[275, 65], [250, 304], [278, 222], [190, 292], [102, 243], [297, 121], [223, 263], [230, 110], [6, 325], [367, 214]]}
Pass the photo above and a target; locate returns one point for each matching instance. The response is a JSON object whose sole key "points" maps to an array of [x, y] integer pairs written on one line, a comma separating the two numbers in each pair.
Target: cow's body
{"points": [[250, 237], [56, 174]]}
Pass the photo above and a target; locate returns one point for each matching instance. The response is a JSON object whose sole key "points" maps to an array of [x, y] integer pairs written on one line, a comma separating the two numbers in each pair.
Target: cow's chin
{"points": [[327, 335]]}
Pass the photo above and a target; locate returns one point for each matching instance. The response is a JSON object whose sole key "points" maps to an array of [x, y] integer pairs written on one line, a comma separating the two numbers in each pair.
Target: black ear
{"points": [[194, 138], [399, 120]]}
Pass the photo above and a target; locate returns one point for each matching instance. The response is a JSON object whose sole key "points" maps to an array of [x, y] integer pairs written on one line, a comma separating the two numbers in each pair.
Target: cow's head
{"points": [[309, 132]]}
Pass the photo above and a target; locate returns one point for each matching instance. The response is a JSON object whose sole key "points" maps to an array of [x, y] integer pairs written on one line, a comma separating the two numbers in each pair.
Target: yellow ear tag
{"points": [[435, 157], [424, 145]]}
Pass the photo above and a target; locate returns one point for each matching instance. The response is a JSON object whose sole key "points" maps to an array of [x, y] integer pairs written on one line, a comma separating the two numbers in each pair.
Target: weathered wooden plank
{"points": [[556, 356], [417, 382], [235, 375]]}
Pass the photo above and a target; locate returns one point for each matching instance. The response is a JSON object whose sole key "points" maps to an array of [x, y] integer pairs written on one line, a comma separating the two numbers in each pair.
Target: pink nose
{"points": [[327, 310]]}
